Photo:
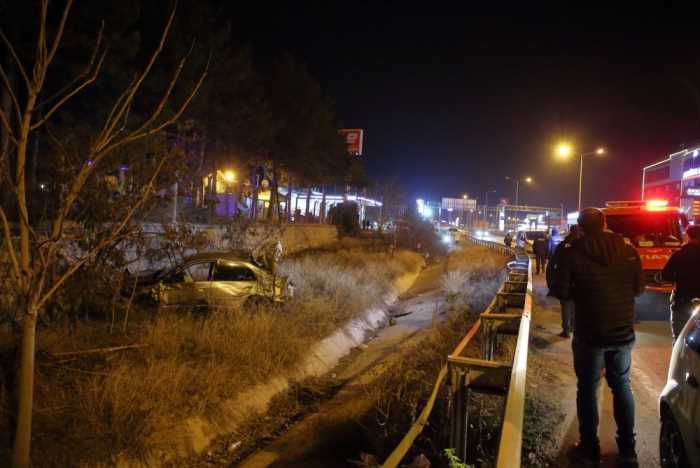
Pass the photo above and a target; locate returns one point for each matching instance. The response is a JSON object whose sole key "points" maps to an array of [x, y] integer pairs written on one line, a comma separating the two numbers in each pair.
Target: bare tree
{"points": [[33, 254]]}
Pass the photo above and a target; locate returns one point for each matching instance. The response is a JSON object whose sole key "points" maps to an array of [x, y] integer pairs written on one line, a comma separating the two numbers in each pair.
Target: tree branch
{"points": [[13, 97], [59, 33], [133, 136], [6, 123], [84, 74], [21, 68], [164, 99], [148, 189], [107, 133], [75, 91], [10, 246]]}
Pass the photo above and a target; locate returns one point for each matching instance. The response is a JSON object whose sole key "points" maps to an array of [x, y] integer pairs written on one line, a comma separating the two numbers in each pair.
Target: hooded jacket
{"points": [[682, 269], [602, 274]]}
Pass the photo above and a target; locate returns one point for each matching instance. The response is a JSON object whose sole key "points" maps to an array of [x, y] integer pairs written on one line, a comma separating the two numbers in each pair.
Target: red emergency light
{"points": [[657, 203]]}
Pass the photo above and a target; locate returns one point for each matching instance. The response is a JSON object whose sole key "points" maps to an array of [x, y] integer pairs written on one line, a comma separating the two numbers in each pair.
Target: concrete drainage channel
{"points": [[346, 425], [508, 314]]}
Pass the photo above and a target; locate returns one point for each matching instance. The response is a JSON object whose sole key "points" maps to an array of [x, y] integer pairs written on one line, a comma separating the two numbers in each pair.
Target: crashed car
{"points": [[211, 280]]}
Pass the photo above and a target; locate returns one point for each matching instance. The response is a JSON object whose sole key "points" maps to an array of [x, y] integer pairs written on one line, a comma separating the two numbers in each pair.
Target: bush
{"points": [[346, 217]]}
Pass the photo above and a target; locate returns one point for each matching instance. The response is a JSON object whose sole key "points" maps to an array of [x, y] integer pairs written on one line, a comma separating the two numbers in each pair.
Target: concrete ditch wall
{"points": [[294, 238]]}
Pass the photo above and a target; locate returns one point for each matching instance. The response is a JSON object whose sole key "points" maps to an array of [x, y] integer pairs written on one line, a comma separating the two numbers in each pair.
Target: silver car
{"points": [[679, 404], [215, 280]]}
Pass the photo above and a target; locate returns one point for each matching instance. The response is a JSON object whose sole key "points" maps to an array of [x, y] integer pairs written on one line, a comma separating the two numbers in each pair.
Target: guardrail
{"points": [[507, 314]]}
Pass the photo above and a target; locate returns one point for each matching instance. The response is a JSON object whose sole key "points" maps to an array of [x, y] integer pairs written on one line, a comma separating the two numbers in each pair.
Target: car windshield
{"points": [[648, 229], [532, 235]]}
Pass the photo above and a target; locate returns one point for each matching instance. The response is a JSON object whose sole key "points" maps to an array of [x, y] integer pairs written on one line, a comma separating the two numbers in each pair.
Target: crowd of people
{"points": [[596, 275]]}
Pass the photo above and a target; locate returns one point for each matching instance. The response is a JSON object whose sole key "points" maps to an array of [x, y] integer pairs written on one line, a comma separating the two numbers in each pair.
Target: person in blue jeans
{"points": [[602, 275]]}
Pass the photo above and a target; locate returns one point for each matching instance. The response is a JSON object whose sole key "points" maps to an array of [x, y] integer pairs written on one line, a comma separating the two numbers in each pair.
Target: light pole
{"points": [[517, 190], [464, 200], [564, 151], [486, 204]]}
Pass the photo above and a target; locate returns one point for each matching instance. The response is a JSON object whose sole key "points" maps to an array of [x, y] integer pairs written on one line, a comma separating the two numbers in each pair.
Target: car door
{"points": [[689, 380], [189, 286], [232, 283]]}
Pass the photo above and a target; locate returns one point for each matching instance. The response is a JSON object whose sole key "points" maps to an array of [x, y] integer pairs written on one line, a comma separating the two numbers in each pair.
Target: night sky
{"points": [[454, 100]]}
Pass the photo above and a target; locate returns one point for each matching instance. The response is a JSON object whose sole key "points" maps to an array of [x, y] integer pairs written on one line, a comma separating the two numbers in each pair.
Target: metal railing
{"points": [[507, 314]]}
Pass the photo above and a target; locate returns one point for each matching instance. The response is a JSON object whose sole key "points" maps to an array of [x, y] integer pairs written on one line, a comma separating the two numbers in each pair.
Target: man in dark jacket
{"points": [[540, 246], [683, 268], [567, 305], [602, 274]]}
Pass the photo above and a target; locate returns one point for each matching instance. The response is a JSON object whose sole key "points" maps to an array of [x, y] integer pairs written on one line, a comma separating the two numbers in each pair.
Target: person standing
{"points": [[539, 247], [683, 269], [567, 305], [508, 239], [603, 275]]}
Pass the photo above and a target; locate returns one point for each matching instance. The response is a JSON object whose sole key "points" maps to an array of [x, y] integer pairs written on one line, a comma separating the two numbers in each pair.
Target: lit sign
{"points": [[353, 139], [694, 172], [693, 192]]}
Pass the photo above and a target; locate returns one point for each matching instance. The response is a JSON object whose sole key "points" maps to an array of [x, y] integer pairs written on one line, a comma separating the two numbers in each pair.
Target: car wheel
{"points": [[671, 448]]}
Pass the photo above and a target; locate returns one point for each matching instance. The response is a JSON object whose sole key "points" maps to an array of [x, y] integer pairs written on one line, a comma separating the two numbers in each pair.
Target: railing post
{"points": [[459, 420]]}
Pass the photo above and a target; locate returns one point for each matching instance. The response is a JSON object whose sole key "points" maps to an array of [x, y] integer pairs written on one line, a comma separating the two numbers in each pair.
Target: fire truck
{"points": [[656, 230]]}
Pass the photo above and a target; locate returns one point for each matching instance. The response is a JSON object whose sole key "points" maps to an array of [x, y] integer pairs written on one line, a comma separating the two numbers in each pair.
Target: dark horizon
{"points": [[453, 102]]}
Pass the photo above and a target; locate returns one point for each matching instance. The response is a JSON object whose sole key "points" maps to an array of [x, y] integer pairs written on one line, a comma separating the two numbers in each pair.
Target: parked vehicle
{"points": [[450, 235], [654, 228], [214, 280], [679, 404]]}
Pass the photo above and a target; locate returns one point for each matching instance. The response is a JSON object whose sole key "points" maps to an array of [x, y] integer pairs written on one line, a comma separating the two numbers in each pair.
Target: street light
{"points": [[517, 180], [229, 176], [564, 150]]}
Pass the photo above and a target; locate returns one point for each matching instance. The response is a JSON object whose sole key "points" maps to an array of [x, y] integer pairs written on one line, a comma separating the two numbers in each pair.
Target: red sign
{"points": [[353, 139]]}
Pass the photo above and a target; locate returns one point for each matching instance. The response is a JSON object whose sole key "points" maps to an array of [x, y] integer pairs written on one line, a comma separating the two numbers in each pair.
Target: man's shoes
{"points": [[565, 334], [584, 454], [627, 457]]}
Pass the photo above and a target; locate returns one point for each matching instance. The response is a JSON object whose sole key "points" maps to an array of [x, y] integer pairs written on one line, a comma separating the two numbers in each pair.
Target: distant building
{"points": [[676, 179]]}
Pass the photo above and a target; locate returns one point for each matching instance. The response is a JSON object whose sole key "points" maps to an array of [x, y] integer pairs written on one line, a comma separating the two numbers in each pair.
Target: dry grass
{"points": [[93, 406]]}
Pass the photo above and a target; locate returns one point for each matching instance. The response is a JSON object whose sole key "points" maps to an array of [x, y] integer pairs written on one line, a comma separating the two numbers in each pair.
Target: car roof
{"points": [[214, 256]]}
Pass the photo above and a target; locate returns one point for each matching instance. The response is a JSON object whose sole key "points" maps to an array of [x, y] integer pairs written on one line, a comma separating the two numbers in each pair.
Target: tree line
{"points": [[105, 105], [263, 117]]}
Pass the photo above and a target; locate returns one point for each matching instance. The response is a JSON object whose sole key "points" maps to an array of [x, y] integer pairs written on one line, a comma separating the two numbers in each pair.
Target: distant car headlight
{"points": [[446, 239]]}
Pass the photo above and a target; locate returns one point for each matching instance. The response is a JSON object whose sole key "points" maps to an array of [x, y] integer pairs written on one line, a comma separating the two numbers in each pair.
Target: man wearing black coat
{"points": [[602, 274], [683, 269], [540, 247]]}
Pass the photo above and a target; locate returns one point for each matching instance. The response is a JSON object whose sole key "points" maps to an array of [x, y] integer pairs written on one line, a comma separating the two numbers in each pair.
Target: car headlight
{"points": [[446, 238]]}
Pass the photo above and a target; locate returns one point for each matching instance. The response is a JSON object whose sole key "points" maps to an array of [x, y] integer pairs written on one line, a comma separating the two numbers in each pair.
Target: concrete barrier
{"points": [[294, 238]]}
